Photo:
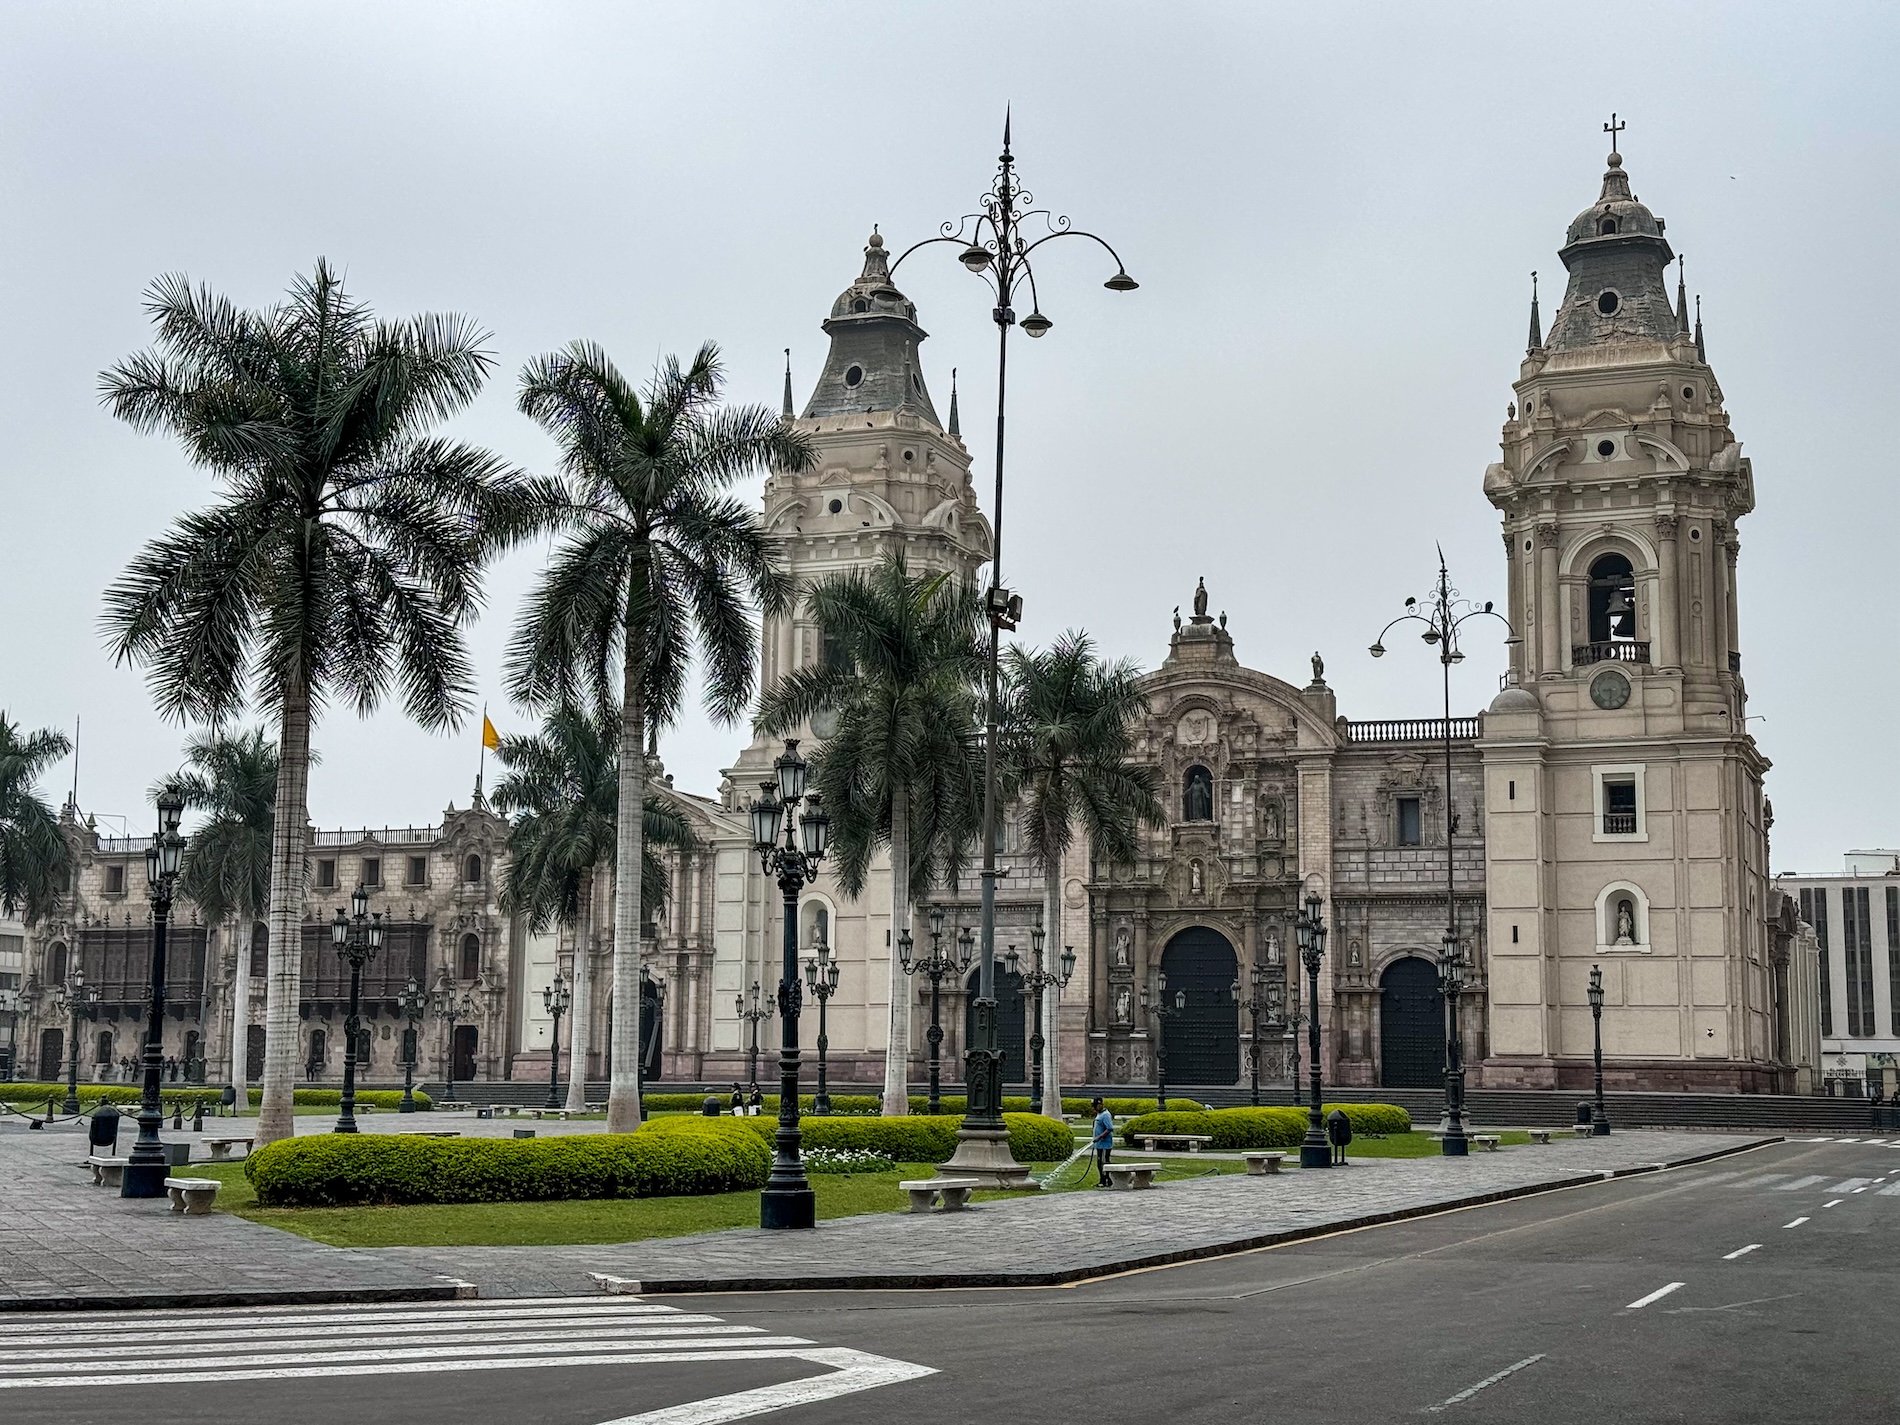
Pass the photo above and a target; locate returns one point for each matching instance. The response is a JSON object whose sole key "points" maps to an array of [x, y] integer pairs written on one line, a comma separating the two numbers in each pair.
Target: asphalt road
{"points": [[1757, 1288]]}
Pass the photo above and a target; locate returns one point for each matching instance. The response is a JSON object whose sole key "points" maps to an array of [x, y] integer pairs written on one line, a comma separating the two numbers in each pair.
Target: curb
{"points": [[175, 1300], [928, 1281]]}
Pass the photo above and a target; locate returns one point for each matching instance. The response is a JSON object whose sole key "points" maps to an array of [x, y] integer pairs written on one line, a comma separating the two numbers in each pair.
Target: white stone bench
{"points": [[1131, 1177], [1487, 1142], [1584, 1130], [559, 1113], [193, 1196], [221, 1147], [954, 1193], [1540, 1135], [1261, 1165], [1192, 1141], [430, 1133], [451, 1105], [107, 1172]]}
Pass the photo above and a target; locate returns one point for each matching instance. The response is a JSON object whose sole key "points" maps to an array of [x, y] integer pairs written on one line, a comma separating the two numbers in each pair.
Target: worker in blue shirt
{"points": [[1103, 1142]]}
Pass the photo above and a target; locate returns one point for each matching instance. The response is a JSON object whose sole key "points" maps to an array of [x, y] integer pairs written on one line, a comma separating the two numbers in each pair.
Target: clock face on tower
{"points": [[1609, 689]]}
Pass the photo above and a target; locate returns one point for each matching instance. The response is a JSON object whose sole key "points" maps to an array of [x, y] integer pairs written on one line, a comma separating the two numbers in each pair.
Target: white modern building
{"points": [[1855, 915]]}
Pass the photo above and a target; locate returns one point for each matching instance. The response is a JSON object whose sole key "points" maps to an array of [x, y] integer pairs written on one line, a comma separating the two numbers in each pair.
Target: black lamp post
{"points": [[757, 1012], [821, 978], [1162, 1012], [555, 998], [1038, 980], [791, 842], [1443, 613], [995, 248], [147, 1166], [1451, 982], [76, 1000], [1600, 1124], [411, 1001], [10, 1007], [1266, 995], [357, 938], [657, 983], [1315, 1152], [936, 965]]}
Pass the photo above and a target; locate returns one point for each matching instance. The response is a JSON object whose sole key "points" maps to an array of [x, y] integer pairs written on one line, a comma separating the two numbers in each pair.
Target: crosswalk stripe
{"points": [[1761, 1180], [193, 1323], [1800, 1183], [669, 1332], [1850, 1184], [1891, 1190], [584, 1321]]}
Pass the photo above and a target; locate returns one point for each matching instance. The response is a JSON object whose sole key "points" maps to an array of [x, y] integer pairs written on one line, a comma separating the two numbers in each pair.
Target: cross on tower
{"points": [[1613, 129]]}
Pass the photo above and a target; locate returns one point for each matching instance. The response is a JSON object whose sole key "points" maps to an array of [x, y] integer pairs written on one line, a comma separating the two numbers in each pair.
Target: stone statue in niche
{"points": [[1197, 795], [1353, 955], [1273, 945], [1269, 819], [1200, 601], [1124, 1004], [1124, 943], [1625, 922], [1196, 883]]}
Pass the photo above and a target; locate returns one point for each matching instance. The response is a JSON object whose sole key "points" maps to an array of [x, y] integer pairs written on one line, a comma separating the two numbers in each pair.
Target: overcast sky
{"points": [[1333, 213]]}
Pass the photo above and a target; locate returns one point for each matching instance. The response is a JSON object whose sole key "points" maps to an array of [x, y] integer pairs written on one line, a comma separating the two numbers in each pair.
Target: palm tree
{"points": [[657, 564], [35, 861], [344, 554], [563, 788], [903, 768], [226, 872], [1067, 721]]}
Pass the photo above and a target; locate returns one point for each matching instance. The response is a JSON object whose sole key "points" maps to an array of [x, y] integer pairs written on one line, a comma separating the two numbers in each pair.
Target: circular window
{"points": [[1608, 302], [853, 375], [835, 506], [1695, 534], [1606, 448], [910, 455], [1527, 546], [1688, 393], [1609, 690]]}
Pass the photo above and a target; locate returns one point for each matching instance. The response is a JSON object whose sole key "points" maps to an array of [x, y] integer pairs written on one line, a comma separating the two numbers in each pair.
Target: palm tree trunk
{"points": [[237, 1042], [623, 1091], [583, 1007], [1051, 1007], [897, 1055], [276, 1117]]}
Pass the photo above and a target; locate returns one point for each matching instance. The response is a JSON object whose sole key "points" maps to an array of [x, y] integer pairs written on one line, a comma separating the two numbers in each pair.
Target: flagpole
{"points": [[481, 760]]}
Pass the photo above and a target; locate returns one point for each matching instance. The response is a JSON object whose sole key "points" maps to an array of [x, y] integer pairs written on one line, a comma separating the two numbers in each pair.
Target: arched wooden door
{"points": [[1202, 1033], [1411, 1025], [52, 1055]]}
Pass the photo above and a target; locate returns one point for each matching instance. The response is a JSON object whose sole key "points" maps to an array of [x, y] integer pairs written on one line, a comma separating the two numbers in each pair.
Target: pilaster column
{"points": [[1549, 626], [1668, 602], [1721, 605], [1731, 551]]}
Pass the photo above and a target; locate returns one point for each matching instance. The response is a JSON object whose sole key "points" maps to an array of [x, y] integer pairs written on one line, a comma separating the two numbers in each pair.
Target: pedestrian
{"points": [[1104, 1141], [758, 1101], [738, 1099]]}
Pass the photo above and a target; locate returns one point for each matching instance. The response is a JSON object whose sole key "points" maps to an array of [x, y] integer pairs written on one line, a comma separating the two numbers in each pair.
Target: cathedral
{"points": [[1605, 810]]}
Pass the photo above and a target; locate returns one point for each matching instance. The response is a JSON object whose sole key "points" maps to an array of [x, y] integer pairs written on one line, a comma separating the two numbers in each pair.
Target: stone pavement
{"points": [[1039, 1241], [67, 1244]]}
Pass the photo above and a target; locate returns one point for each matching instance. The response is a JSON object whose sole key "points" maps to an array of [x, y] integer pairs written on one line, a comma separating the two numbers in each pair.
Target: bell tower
{"points": [[1623, 791]]}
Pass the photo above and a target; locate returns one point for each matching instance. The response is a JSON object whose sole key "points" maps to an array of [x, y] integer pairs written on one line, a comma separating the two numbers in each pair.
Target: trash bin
{"points": [[1586, 1113], [711, 1106], [229, 1098], [1338, 1133], [103, 1131]]}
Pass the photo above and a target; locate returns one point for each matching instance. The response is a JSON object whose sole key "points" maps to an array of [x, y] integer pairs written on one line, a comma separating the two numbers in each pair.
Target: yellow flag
{"points": [[490, 738]]}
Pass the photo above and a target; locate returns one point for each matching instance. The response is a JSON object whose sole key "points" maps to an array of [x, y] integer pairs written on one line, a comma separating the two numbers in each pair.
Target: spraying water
{"points": [[1067, 1173]]}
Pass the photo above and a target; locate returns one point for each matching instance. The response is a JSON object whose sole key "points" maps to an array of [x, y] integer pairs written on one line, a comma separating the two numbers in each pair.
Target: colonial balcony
{"points": [[1582, 655]]}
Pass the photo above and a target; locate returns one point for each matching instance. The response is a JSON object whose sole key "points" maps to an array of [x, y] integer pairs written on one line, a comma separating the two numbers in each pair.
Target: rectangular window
{"points": [[326, 874], [418, 870], [1857, 944], [1814, 912], [1893, 955], [372, 870], [1619, 806], [115, 880], [1408, 821], [260, 954]]}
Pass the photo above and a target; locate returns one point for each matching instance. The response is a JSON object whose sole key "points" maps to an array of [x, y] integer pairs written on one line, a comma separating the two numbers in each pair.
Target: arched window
{"points": [[471, 966], [1607, 227], [102, 1047], [56, 963], [1197, 795], [260, 950], [1612, 599], [313, 1063], [472, 870]]}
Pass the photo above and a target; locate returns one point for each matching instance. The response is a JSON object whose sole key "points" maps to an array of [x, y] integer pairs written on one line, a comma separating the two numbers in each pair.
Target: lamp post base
{"points": [[1316, 1155], [1455, 1145], [788, 1207], [983, 1154], [144, 1179], [1600, 1128]]}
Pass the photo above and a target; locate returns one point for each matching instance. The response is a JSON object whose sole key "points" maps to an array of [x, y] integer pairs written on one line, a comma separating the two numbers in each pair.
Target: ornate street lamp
{"points": [[357, 938], [1451, 982], [821, 978], [1037, 980], [993, 245], [791, 842], [757, 1012], [77, 1000], [148, 1164], [10, 1007], [451, 1004], [1159, 1008], [1600, 1123], [1315, 1152], [658, 985], [411, 1001], [1443, 613], [1267, 995], [936, 965], [555, 998]]}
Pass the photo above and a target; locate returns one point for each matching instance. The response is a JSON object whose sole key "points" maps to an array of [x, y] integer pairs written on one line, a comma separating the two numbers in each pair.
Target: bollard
{"points": [[198, 1116], [178, 1116]]}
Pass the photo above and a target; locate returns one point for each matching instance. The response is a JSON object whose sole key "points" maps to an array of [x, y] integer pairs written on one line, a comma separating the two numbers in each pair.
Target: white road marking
{"points": [[1891, 1190], [1860, 1189], [1761, 1179], [1817, 1140], [1462, 1395], [1742, 1251], [1849, 1184], [854, 1371], [1800, 1183], [508, 1329], [195, 1323], [1836, 1203], [1847, 1140], [1656, 1295], [665, 1335], [1796, 1223]]}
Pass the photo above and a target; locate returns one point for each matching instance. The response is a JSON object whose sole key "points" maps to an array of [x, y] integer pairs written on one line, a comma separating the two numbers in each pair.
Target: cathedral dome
{"points": [[1616, 213], [1515, 699], [872, 365], [1616, 300]]}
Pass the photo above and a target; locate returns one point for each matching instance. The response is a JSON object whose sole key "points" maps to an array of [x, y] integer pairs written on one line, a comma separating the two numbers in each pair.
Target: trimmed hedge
{"points": [[1033, 1138], [1120, 1107], [1237, 1128], [170, 1094], [668, 1157]]}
